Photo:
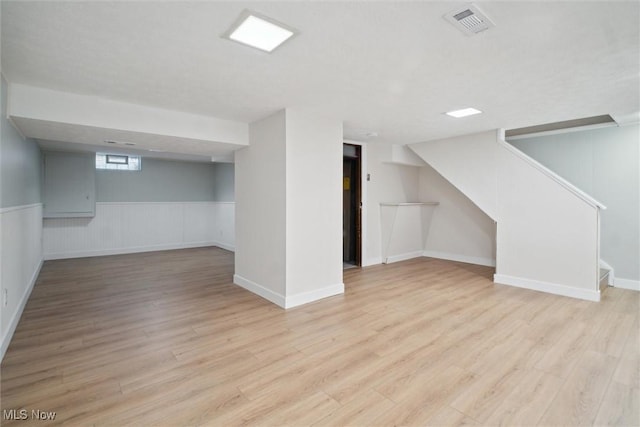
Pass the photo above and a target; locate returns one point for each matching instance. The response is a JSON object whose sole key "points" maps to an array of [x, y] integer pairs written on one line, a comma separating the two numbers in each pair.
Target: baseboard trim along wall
{"points": [[15, 319], [551, 288], [259, 290], [403, 257], [134, 250], [291, 301], [433, 254], [488, 262], [372, 261], [633, 285], [315, 295], [224, 246]]}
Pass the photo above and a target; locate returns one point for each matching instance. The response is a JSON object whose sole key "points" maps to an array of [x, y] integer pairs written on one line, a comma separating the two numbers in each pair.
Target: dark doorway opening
{"points": [[351, 206]]}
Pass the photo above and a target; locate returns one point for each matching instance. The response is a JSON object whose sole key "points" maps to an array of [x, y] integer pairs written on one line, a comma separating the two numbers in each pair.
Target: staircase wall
{"points": [[605, 163], [547, 235], [469, 163]]}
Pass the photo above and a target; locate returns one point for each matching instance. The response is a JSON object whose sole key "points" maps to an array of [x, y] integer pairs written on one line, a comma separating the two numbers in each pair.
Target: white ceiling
{"points": [[388, 67]]}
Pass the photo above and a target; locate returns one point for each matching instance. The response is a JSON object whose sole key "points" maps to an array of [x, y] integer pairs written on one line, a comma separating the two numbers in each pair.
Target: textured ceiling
{"points": [[388, 67]]}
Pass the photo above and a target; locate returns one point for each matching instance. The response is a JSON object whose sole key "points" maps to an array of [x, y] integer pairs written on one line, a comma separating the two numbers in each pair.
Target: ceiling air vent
{"points": [[469, 19]]}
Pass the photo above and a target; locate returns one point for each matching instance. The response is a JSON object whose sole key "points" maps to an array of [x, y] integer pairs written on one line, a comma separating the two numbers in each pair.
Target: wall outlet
{"points": [[5, 297]]}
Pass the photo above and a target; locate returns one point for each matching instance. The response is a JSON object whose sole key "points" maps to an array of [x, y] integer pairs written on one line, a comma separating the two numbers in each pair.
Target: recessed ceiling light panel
{"points": [[463, 112], [259, 31]]}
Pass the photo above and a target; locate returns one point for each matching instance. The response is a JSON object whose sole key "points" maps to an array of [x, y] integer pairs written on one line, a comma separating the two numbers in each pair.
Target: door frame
{"points": [[364, 261]]}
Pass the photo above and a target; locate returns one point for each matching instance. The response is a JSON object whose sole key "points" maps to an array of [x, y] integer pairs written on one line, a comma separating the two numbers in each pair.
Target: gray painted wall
{"points": [[20, 164], [605, 163], [158, 181], [225, 182]]}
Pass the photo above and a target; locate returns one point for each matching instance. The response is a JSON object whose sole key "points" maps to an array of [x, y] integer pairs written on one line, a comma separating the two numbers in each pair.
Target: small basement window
{"points": [[119, 162]]}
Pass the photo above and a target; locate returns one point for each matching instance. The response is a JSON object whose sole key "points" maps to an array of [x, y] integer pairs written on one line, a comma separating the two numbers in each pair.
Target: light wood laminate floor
{"points": [[165, 338]]}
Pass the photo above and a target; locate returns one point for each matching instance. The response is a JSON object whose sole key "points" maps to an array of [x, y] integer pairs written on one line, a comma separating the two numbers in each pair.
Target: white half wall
{"points": [[606, 164], [120, 228], [405, 228], [546, 233], [21, 242]]}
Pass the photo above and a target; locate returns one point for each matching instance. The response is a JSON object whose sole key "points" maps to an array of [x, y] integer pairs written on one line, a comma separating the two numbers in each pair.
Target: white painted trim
{"points": [[17, 208], [372, 261], [460, 258], [165, 203], [15, 319], [554, 176], [132, 250], [225, 246], [403, 257], [315, 295], [410, 204], [551, 288], [633, 285], [259, 290]]}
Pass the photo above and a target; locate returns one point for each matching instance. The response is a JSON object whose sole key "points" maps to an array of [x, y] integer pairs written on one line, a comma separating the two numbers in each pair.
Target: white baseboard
{"points": [[15, 319], [260, 290], [315, 295], [460, 258], [291, 301], [633, 285], [372, 261], [551, 288], [131, 250], [403, 257], [225, 246]]}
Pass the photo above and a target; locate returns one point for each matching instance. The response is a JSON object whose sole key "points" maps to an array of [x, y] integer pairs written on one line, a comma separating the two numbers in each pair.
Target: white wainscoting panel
{"points": [[152, 225], [120, 228], [199, 222], [225, 228], [21, 260]]}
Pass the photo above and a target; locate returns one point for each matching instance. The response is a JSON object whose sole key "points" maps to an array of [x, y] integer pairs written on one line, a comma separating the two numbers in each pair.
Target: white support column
{"points": [[288, 209]]}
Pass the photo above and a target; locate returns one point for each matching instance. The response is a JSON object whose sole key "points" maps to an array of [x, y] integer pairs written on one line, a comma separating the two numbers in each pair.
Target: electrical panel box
{"points": [[69, 185]]}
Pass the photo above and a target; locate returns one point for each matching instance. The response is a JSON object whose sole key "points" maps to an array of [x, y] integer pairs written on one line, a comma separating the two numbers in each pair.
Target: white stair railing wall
{"points": [[548, 231]]}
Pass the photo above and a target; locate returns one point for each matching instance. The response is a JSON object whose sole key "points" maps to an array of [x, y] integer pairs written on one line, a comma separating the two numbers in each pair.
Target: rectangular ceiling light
{"points": [[463, 113], [259, 31]]}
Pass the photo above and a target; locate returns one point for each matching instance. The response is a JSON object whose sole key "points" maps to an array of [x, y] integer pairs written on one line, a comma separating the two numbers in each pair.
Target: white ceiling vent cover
{"points": [[469, 19]]}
